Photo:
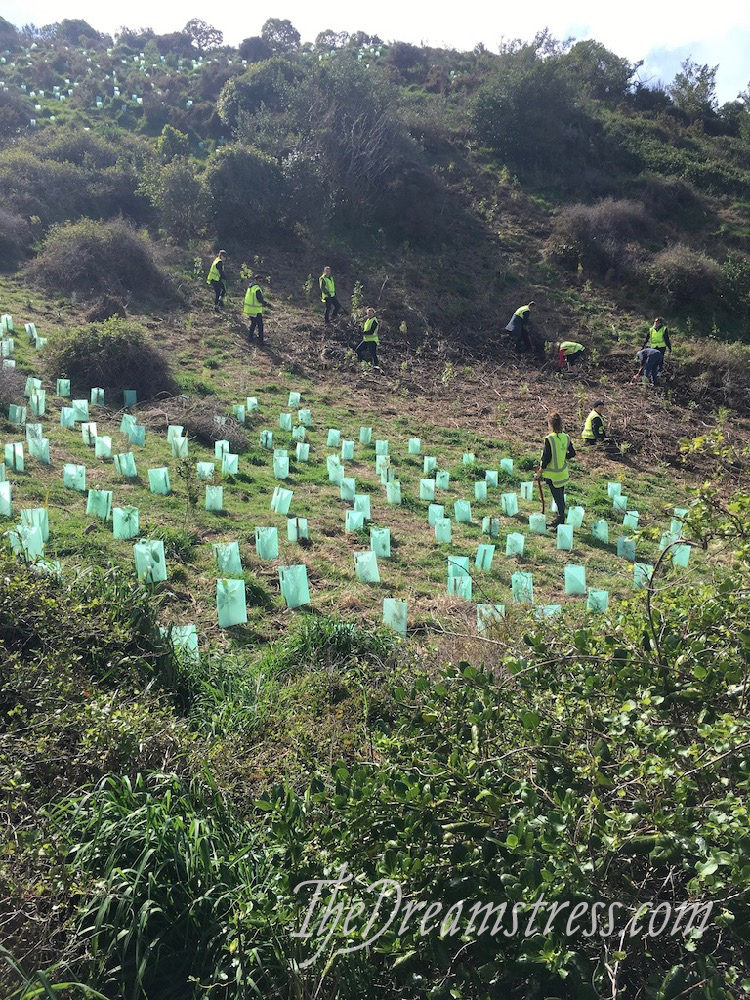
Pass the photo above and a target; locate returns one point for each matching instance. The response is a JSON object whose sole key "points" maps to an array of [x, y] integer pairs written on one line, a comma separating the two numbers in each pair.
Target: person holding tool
{"points": [[553, 467], [569, 353], [519, 324], [328, 295], [658, 339], [651, 362]]}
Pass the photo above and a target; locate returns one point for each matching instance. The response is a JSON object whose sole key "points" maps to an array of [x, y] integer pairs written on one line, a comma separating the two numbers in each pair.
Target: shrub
{"points": [[12, 382], [668, 198], [180, 198], [115, 355], [202, 420], [603, 237], [91, 259], [245, 187], [684, 277], [15, 239]]}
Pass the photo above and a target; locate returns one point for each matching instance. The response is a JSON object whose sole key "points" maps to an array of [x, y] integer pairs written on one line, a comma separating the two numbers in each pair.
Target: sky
{"points": [[661, 32]]}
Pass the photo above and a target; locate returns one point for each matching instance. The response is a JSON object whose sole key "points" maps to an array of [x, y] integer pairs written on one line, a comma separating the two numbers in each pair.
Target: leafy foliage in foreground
{"points": [[605, 764]]}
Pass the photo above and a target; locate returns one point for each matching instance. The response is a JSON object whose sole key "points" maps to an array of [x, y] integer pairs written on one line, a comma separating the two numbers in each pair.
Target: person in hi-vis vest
{"points": [[254, 305], [328, 295], [553, 467], [657, 338], [367, 349], [217, 280]]}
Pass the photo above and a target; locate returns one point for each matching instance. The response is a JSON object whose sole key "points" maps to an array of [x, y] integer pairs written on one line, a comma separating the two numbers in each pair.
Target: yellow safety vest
{"points": [[570, 347], [557, 470], [588, 431], [213, 274], [370, 330], [521, 311], [327, 287], [252, 307], [657, 336]]}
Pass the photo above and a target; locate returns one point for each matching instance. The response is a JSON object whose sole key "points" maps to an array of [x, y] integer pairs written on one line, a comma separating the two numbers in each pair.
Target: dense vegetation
{"points": [[160, 809], [389, 147]]}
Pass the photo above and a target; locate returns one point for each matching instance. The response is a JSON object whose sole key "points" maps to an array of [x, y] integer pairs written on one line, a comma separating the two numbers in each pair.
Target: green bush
{"points": [[115, 355], [685, 277], [92, 259], [603, 237], [245, 187], [15, 239]]}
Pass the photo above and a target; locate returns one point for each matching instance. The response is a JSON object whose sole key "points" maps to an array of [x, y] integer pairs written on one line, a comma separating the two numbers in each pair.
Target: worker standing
{"points": [[651, 361], [553, 467], [217, 280], [658, 338], [254, 305], [593, 430], [328, 294], [367, 350], [518, 325], [569, 353]]}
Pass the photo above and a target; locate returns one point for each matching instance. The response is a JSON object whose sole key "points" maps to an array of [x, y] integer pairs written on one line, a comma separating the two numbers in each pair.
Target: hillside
{"points": [[211, 691]]}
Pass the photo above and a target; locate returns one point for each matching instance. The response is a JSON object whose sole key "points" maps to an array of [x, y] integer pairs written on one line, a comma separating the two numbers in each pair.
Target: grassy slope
{"points": [[494, 412]]}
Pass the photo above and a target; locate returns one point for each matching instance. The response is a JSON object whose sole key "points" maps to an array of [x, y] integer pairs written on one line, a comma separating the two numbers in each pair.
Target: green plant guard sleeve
{"points": [[227, 556], [574, 517], [443, 530], [347, 489], [484, 557], [285, 421], [642, 575], [215, 498], [334, 438], [158, 481], [230, 464], [458, 566], [355, 521], [626, 549], [681, 555], [231, 606], [251, 404], [426, 489], [435, 512], [125, 522], [205, 470], [509, 504], [365, 435], [362, 504], [303, 452], [468, 458], [598, 601], [99, 504], [565, 537], [6, 501], [460, 586], [538, 524], [395, 615], [103, 447], [281, 500], [600, 531], [150, 564], [506, 465], [613, 489], [296, 529], [381, 446], [380, 542], [415, 446], [575, 579], [491, 526], [491, 478], [366, 567], [294, 399], [347, 451], [488, 614], [522, 586], [462, 511], [281, 468], [514, 544], [74, 477], [527, 490], [294, 586], [393, 492], [305, 418], [129, 398], [36, 517], [267, 542], [442, 479], [480, 490]]}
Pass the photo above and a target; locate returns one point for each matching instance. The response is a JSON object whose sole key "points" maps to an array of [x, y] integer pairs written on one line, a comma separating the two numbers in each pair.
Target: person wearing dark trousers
{"points": [[217, 280], [518, 325], [254, 304], [553, 467], [569, 353], [650, 359], [658, 339], [367, 349], [593, 430], [328, 295]]}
